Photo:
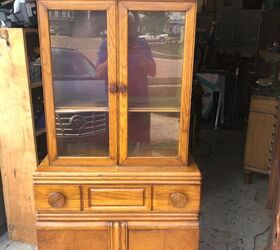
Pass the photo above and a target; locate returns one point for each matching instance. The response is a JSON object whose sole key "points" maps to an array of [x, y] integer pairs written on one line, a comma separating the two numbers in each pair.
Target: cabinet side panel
{"points": [[260, 134], [18, 158]]}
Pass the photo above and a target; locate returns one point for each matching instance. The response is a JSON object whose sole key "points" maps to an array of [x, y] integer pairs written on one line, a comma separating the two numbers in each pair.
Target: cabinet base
{"points": [[117, 208]]}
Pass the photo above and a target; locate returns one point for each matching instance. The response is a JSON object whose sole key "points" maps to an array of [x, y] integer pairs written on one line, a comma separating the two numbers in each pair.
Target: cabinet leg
{"points": [[248, 176]]}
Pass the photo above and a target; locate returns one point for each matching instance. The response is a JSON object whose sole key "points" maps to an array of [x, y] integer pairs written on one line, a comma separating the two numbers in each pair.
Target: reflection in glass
{"points": [[80, 91], [155, 52], [82, 133], [155, 135], [155, 57]]}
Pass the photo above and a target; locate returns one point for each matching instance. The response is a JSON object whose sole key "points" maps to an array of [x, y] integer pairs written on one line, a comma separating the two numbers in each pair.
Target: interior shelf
{"points": [[106, 109], [80, 109], [30, 30], [36, 85], [158, 103], [40, 131], [154, 109]]}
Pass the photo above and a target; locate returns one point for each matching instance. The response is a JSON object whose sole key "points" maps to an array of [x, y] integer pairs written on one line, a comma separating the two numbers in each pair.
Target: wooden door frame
{"points": [[189, 39], [110, 7]]}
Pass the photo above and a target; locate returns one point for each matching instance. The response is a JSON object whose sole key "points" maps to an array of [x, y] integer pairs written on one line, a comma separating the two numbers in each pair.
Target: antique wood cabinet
{"points": [[260, 140], [117, 81]]}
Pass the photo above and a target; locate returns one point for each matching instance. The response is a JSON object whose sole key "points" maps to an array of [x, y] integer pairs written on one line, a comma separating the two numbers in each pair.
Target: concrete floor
{"points": [[233, 215], [7, 244]]}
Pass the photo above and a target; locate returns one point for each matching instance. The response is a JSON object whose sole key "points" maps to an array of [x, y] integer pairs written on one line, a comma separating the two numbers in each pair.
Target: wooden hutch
{"points": [[117, 79]]}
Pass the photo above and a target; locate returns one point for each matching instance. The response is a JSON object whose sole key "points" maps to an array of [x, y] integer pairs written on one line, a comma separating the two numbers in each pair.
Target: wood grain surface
{"points": [[18, 157], [70, 192], [120, 202], [118, 198], [260, 134]]}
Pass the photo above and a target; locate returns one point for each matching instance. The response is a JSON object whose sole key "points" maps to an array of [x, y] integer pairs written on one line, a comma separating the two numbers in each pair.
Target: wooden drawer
{"points": [[264, 105], [180, 198], [117, 198], [57, 197]]}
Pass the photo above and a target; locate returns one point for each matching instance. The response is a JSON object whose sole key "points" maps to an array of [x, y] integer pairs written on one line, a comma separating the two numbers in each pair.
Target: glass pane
{"points": [[155, 53], [80, 76], [82, 133], [153, 134], [155, 59]]}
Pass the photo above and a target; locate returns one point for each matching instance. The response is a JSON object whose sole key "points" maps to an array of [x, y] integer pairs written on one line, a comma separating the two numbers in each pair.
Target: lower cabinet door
{"points": [[163, 236], [132, 235], [74, 238]]}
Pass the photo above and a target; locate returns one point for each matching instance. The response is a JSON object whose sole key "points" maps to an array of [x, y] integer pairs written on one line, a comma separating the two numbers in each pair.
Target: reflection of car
{"points": [[76, 86], [150, 37]]}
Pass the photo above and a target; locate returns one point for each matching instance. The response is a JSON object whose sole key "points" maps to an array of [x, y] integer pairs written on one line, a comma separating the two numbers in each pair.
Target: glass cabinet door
{"points": [[156, 51], [79, 64]]}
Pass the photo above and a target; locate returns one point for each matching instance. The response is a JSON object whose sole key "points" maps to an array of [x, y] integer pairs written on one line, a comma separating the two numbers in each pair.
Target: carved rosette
{"points": [[178, 200], [56, 200]]}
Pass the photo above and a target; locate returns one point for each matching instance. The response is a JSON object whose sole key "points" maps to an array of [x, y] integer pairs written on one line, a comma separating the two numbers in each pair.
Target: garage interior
{"points": [[234, 123]]}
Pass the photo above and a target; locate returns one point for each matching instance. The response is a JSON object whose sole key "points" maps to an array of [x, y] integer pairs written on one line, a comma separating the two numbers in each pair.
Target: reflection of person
{"points": [[140, 65]]}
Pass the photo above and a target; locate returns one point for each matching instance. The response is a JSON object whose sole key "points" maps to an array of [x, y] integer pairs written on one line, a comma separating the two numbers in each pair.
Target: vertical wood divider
{"points": [[123, 65], [124, 236], [45, 51], [115, 236], [187, 78], [112, 67]]}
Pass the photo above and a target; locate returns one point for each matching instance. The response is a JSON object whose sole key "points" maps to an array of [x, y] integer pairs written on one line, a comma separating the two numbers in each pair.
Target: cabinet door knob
{"points": [[178, 200], [56, 200], [113, 88], [122, 88]]}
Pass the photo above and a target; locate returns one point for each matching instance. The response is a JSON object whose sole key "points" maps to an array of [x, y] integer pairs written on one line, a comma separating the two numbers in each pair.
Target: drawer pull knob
{"points": [[56, 200], [178, 200]]}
